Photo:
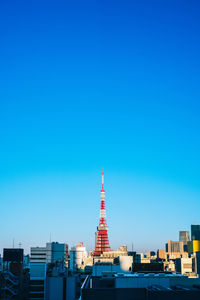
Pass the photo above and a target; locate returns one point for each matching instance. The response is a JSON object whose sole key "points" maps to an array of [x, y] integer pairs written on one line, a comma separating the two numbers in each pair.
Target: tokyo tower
{"points": [[102, 242]]}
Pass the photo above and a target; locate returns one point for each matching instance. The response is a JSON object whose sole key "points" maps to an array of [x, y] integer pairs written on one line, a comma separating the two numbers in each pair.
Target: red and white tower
{"points": [[102, 242]]}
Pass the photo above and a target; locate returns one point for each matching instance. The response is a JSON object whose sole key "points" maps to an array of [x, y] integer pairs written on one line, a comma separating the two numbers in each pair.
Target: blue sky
{"points": [[86, 85]]}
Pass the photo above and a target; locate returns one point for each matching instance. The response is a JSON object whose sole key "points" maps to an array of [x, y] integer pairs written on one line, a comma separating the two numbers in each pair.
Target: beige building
{"points": [[172, 246], [185, 266]]}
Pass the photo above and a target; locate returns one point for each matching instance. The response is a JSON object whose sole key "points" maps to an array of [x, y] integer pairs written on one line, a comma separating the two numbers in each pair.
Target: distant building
{"points": [[101, 237], [122, 251], [77, 256], [169, 265], [172, 246], [161, 254], [184, 236], [193, 246], [195, 232], [147, 267], [38, 255], [184, 266], [53, 252], [197, 263]]}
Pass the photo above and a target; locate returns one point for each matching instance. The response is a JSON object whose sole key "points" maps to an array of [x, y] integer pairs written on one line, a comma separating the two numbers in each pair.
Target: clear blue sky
{"points": [[92, 84]]}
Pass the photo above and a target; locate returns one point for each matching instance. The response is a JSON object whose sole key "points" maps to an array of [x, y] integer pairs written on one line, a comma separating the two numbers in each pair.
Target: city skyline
{"points": [[119, 229], [86, 86]]}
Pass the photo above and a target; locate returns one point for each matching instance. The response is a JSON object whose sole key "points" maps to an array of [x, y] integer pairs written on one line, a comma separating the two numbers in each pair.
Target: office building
{"points": [[172, 246], [184, 237], [195, 232], [59, 285], [39, 259], [197, 263], [77, 257], [193, 246], [184, 265], [14, 278], [140, 286]]}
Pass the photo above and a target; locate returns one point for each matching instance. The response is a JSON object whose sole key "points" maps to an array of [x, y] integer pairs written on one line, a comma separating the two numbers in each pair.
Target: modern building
{"points": [[59, 285], [53, 252], [140, 286], [14, 278], [172, 246], [77, 257], [39, 259], [195, 232], [184, 265], [148, 267], [102, 242], [197, 263], [193, 246], [161, 254], [38, 255], [184, 236]]}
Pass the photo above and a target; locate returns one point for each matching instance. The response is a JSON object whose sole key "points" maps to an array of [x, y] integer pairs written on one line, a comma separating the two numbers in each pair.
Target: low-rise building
{"points": [[184, 266], [140, 286]]}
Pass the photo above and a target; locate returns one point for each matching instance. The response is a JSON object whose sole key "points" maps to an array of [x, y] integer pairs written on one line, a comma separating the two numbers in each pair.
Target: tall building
{"points": [[102, 242], [184, 237], [195, 232], [14, 277], [193, 246], [40, 258], [172, 246]]}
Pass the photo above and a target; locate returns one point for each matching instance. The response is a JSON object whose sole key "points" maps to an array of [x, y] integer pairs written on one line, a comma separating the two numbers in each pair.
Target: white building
{"points": [[77, 256], [184, 265]]}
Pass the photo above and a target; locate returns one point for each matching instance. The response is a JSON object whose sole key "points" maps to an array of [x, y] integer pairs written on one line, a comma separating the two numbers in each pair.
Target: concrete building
{"points": [[59, 285], [122, 251], [38, 255], [39, 259], [99, 268], [14, 277], [161, 254], [184, 236], [78, 254], [172, 246], [197, 263], [184, 266], [81, 253], [169, 266], [148, 286], [53, 252], [121, 264]]}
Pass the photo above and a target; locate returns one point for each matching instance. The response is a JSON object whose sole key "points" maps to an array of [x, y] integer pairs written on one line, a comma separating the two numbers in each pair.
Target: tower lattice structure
{"points": [[102, 242]]}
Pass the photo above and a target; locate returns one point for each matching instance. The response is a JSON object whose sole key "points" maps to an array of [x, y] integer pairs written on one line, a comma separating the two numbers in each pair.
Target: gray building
{"points": [[184, 236], [59, 285], [39, 259], [140, 286]]}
